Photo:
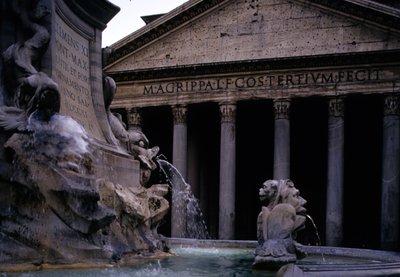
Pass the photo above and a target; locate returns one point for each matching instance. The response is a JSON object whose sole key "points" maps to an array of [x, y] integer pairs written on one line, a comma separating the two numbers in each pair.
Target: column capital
{"points": [[134, 117], [179, 113], [391, 105], [228, 112], [336, 106], [282, 108]]}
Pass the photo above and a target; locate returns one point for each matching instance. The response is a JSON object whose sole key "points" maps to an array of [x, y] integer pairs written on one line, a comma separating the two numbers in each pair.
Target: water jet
{"points": [[190, 219]]}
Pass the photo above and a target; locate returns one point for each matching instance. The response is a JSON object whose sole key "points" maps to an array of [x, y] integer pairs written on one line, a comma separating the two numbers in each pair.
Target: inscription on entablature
{"points": [[265, 80], [71, 70]]}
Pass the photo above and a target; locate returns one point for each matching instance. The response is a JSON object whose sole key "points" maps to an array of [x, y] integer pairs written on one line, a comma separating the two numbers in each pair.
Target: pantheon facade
{"points": [[236, 92]]}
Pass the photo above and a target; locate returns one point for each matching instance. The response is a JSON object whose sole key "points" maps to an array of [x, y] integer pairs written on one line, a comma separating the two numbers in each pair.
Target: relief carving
{"points": [[27, 90]]}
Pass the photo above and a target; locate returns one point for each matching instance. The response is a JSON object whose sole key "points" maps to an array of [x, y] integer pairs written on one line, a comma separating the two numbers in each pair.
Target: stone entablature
{"points": [[259, 85], [238, 50]]}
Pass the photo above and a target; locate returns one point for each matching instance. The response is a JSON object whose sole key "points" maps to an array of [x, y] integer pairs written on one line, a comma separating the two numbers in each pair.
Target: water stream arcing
{"points": [[183, 198], [315, 228], [316, 234]]}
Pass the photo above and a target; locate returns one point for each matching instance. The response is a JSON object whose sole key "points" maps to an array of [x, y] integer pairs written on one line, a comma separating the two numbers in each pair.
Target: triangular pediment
{"points": [[242, 30]]}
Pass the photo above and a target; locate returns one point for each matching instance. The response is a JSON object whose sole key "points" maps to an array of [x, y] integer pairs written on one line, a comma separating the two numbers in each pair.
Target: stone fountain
{"points": [[74, 183], [282, 215]]}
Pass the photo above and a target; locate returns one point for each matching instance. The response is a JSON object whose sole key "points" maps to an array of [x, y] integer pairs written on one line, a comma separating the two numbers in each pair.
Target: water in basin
{"points": [[188, 262], [193, 262]]}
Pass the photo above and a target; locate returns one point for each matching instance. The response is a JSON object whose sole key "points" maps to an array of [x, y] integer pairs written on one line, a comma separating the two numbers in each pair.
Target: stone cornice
{"points": [[342, 59], [371, 12], [95, 12], [159, 30]]}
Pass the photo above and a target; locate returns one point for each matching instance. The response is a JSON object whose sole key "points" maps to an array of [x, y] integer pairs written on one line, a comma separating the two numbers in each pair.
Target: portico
{"points": [[311, 113]]}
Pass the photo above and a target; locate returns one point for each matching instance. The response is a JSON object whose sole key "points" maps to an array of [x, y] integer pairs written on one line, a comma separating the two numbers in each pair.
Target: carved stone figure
{"points": [[27, 89], [281, 216], [134, 141], [56, 208], [138, 210]]}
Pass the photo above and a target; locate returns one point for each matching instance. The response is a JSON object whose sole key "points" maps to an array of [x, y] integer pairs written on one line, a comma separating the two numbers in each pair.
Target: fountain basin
{"points": [[234, 258], [320, 260], [341, 261], [199, 259]]}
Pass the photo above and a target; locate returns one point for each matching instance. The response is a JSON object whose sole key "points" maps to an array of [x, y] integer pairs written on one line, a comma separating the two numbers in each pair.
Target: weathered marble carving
{"points": [[133, 141], [53, 207], [28, 91], [281, 216]]}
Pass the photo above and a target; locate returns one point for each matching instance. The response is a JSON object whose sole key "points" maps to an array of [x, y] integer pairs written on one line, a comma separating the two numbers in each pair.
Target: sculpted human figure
{"points": [[48, 153], [281, 216], [134, 141], [28, 90], [55, 207]]}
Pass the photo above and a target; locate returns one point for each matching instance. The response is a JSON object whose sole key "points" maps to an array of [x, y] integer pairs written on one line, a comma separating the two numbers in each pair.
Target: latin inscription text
{"points": [[72, 73], [264, 81]]}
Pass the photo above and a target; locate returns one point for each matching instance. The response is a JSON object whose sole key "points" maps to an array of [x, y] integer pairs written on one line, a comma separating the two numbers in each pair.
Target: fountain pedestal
{"points": [[73, 181]]}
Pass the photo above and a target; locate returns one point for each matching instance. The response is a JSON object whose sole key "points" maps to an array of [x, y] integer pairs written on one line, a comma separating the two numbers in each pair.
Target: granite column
{"points": [[282, 139], [390, 213], [179, 160], [334, 191], [227, 174]]}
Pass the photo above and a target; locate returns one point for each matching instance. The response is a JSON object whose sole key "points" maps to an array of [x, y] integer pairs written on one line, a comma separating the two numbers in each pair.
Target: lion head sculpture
{"points": [[282, 215], [274, 192]]}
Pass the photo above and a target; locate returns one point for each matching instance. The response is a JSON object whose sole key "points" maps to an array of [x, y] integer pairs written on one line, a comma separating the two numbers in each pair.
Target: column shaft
{"points": [[334, 191], [179, 160], [179, 151], [390, 174], [282, 140], [227, 172]]}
